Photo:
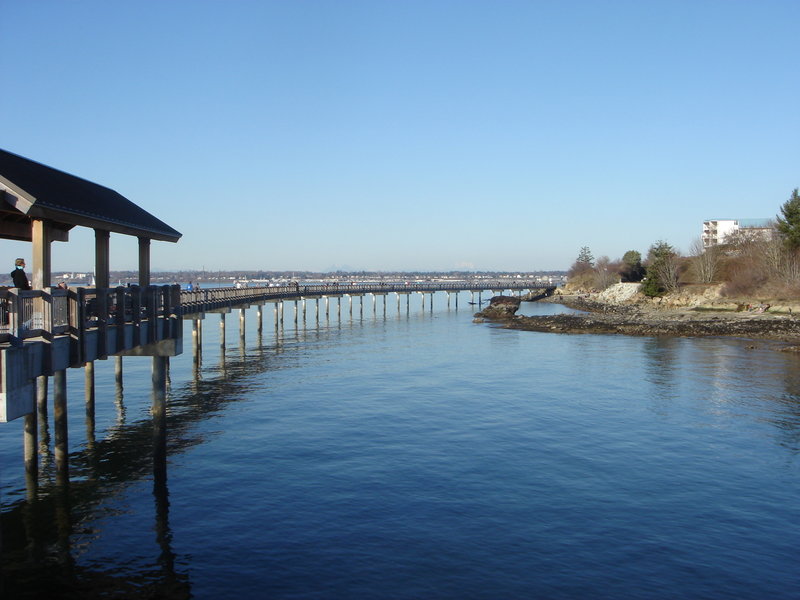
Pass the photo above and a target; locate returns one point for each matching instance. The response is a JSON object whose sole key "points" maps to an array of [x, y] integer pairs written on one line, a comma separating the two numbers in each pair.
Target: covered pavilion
{"points": [[41, 205]]}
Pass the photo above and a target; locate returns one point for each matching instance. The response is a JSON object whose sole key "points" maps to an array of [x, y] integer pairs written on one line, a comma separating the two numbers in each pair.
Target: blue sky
{"points": [[410, 135]]}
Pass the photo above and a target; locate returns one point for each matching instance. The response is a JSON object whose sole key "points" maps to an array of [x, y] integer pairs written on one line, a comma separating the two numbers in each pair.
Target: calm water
{"points": [[420, 455]]}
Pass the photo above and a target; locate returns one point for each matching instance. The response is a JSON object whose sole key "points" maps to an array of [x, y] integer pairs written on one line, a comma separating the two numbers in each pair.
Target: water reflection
{"points": [[136, 451], [728, 378]]}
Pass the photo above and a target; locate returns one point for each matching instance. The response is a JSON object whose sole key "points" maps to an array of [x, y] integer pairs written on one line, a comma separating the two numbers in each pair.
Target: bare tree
{"points": [[667, 271], [605, 273], [662, 269], [704, 261]]}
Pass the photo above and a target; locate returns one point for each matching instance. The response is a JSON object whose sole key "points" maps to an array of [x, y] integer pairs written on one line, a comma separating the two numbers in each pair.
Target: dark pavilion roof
{"points": [[32, 190]]}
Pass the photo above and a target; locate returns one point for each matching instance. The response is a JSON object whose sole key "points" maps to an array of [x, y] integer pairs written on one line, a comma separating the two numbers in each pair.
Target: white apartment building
{"points": [[716, 231]]}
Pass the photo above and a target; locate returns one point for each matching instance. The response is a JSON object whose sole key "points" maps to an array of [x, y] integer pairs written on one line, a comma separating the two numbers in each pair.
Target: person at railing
{"points": [[18, 275]]}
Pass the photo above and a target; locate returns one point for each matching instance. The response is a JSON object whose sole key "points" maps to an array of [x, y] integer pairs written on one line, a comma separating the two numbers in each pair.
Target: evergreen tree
{"points": [[789, 223], [662, 269], [585, 257], [583, 264], [631, 269]]}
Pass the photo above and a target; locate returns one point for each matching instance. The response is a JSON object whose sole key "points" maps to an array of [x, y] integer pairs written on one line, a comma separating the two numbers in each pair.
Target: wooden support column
{"points": [[30, 444], [144, 261], [222, 336], [101, 257], [195, 335], [40, 234], [60, 424], [118, 371], [90, 399], [159, 412], [222, 332], [41, 395], [196, 345]]}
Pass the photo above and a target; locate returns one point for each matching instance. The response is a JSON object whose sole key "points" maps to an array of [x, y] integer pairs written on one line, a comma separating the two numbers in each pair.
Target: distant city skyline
{"points": [[418, 136]]}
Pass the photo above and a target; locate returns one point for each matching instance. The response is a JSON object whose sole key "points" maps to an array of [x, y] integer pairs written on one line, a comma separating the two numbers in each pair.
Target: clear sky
{"points": [[410, 135]]}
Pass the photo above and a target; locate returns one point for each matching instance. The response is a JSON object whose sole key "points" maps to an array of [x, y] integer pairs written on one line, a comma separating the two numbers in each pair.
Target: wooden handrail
{"points": [[56, 311]]}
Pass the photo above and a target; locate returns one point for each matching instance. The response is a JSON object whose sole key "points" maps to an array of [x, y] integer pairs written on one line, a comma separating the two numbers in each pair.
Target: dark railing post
{"points": [[150, 303], [78, 313], [120, 318], [136, 313], [175, 312], [14, 317], [45, 305], [101, 301]]}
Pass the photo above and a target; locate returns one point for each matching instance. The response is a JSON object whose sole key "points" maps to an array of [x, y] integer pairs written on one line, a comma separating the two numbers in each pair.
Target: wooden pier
{"points": [[46, 330]]}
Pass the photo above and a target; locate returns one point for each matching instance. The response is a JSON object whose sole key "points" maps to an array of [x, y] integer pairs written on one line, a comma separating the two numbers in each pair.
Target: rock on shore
{"points": [[672, 323], [612, 315], [500, 307]]}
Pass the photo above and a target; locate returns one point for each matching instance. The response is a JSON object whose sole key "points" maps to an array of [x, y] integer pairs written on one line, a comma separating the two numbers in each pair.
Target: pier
{"points": [[45, 330], [48, 329]]}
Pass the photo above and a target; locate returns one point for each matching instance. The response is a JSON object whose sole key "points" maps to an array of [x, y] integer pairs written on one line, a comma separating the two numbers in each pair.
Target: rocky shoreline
{"points": [[647, 320]]}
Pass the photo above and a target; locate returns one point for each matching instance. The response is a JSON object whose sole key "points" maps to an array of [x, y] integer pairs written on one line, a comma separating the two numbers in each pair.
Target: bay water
{"points": [[412, 453]]}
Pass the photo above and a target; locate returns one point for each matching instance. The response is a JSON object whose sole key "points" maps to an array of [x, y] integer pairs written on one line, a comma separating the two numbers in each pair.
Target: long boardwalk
{"points": [[43, 332], [197, 302]]}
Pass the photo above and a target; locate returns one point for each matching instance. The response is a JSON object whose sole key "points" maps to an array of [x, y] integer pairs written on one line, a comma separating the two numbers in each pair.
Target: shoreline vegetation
{"points": [[623, 310]]}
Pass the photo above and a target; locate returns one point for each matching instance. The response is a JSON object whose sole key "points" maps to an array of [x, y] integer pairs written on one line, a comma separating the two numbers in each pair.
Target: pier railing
{"points": [[54, 311], [198, 301], [26, 315]]}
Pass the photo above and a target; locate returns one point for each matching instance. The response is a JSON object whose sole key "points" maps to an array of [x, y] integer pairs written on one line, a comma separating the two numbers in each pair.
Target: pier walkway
{"points": [[196, 302], [47, 329], [43, 332]]}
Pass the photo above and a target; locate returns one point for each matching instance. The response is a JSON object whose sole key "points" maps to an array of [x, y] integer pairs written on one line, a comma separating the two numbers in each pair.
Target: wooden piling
{"points": [[159, 413], [31, 444], [118, 371], [61, 443], [89, 391]]}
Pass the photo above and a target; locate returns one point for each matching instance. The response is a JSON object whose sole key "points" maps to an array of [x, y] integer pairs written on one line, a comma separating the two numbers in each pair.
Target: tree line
{"points": [[746, 264]]}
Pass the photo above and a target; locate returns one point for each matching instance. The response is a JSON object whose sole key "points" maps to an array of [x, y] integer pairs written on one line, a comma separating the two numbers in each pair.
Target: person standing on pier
{"points": [[18, 275]]}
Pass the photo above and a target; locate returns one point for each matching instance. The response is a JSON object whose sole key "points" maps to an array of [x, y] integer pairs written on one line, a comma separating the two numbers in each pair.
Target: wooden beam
{"points": [[144, 261], [101, 258], [41, 254]]}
